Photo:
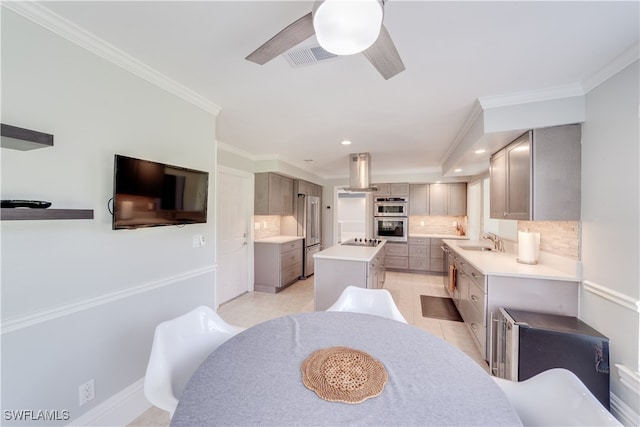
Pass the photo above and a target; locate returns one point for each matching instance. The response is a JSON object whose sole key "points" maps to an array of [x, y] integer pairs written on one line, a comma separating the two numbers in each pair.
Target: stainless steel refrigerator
{"points": [[308, 217], [529, 343]]}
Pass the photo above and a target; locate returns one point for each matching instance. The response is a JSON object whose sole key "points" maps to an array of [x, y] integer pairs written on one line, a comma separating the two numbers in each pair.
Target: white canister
{"points": [[528, 247]]}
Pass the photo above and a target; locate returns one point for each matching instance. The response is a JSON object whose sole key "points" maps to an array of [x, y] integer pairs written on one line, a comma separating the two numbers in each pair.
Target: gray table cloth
{"points": [[255, 378]]}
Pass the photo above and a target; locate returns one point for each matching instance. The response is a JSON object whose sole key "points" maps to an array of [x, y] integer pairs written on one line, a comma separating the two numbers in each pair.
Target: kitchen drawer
{"points": [[418, 251], [396, 262], [437, 264], [476, 276], [286, 247], [420, 241], [396, 249], [478, 303], [290, 274], [421, 264], [290, 258], [479, 334]]}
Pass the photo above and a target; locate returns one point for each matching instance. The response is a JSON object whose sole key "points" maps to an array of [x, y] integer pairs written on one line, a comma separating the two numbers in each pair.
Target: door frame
{"points": [[248, 220]]}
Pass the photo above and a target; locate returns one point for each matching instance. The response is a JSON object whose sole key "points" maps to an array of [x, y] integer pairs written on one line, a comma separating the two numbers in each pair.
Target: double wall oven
{"points": [[391, 220]]}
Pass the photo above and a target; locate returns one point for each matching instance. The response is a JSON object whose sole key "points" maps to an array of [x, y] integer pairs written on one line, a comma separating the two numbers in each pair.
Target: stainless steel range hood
{"points": [[359, 174]]}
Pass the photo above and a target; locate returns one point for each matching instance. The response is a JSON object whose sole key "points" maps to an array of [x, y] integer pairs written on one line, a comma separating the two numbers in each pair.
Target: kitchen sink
{"points": [[475, 248]]}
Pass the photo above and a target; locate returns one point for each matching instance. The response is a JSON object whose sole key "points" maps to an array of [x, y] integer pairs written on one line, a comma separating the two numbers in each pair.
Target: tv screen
{"points": [[149, 194]]}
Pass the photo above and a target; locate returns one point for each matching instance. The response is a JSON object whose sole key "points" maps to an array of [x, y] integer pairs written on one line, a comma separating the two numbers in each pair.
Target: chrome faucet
{"points": [[498, 244]]}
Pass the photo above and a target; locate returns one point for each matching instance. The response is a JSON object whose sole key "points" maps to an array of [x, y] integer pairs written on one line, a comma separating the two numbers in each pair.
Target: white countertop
{"points": [[350, 253], [504, 264], [440, 236], [279, 239]]}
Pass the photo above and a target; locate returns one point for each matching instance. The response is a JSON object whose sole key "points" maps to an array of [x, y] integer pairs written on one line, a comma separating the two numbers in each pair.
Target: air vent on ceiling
{"points": [[308, 55]]}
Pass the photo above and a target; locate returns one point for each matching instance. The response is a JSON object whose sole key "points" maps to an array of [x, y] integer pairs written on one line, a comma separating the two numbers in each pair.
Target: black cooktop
{"points": [[362, 242]]}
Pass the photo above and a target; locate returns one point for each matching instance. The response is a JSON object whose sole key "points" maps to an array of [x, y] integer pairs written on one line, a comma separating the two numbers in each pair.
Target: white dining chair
{"points": [[555, 397], [368, 301], [179, 346]]}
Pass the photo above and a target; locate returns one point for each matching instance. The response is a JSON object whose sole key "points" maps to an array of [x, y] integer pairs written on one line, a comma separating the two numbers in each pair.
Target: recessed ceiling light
{"points": [[346, 142], [480, 151], [310, 161], [457, 170]]}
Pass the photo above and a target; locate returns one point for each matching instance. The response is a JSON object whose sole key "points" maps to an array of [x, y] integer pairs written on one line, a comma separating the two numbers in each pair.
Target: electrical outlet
{"points": [[87, 391], [198, 240]]}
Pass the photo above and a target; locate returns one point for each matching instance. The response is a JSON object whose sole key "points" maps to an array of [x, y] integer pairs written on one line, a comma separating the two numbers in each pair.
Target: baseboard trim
{"points": [[611, 295], [23, 321], [118, 410], [623, 413]]}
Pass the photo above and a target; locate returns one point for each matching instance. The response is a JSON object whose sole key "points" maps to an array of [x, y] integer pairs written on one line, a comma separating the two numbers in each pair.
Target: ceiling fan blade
{"points": [[384, 56], [292, 35]]}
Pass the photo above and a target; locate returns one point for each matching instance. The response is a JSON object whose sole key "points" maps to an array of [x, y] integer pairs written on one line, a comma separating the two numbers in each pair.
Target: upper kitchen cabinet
{"points": [[419, 199], [394, 189], [273, 194], [448, 199], [537, 176], [307, 188]]}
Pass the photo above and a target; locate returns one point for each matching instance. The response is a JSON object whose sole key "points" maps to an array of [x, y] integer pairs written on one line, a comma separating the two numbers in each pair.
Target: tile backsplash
{"points": [[446, 225], [560, 238], [266, 226]]}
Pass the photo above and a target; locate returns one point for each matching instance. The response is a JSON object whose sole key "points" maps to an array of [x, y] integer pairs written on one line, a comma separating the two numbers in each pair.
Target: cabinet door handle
{"points": [[474, 326], [474, 298], [475, 276]]}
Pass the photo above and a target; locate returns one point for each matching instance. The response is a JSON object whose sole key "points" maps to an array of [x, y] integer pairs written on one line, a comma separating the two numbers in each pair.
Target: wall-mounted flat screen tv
{"points": [[150, 194]]}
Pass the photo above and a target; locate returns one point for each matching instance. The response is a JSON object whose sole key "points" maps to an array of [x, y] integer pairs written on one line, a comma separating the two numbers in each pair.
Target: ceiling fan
{"points": [[361, 21]]}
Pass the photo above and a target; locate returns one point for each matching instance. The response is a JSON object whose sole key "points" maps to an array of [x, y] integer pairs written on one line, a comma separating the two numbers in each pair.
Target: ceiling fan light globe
{"points": [[347, 27]]}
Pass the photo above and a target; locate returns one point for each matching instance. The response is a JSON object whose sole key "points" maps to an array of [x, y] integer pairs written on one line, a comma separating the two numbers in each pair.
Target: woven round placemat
{"points": [[343, 374]]}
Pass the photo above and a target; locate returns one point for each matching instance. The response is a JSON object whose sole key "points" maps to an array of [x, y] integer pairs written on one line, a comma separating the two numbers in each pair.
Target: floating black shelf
{"points": [[11, 214], [23, 139]]}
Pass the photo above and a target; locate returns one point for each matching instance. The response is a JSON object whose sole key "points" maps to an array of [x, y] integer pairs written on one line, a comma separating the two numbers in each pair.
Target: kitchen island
{"points": [[340, 266]]}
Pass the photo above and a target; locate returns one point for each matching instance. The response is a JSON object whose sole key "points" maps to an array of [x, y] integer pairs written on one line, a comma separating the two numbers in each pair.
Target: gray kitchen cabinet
{"points": [[448, 199], [425, 254], [438, 195], [457, 199], [277, 265], [436, 256], [382, 190], [396, 256], [419, 253], [395, 189], [418, 199], [273, 194], [307, 188], [537, 176]]}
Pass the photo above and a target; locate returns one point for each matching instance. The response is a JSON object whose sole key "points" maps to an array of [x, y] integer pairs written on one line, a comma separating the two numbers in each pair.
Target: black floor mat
{"points": [[439, 308]]}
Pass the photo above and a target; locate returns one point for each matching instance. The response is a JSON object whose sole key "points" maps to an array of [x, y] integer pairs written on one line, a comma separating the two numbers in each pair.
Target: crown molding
{"points": [[235, 150], [526, 97], [621, 62], [474, 115], [55, 23]]}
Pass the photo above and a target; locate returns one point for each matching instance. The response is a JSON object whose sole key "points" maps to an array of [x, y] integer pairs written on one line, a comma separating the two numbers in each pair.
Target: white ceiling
{"points": [[454, 53]]}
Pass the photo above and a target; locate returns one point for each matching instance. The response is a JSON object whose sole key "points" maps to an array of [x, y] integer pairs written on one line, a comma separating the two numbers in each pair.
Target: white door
{"points": [[234, 208]]}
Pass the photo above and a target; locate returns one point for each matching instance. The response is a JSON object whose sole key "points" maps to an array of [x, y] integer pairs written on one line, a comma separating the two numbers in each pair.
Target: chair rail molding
{"points": [[611, 295], [629, 378], [23, 321]]}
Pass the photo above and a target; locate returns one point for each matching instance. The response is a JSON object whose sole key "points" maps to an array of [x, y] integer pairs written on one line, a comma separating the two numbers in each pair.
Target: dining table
{"points": [[339, 368]]}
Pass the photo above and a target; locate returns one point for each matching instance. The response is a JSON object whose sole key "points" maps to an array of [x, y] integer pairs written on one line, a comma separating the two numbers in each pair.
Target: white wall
{"points": [[610, 224], [80, 300]]}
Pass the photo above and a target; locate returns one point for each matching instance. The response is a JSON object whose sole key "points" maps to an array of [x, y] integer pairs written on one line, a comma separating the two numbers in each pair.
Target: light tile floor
{"points": [[255, 307]]}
